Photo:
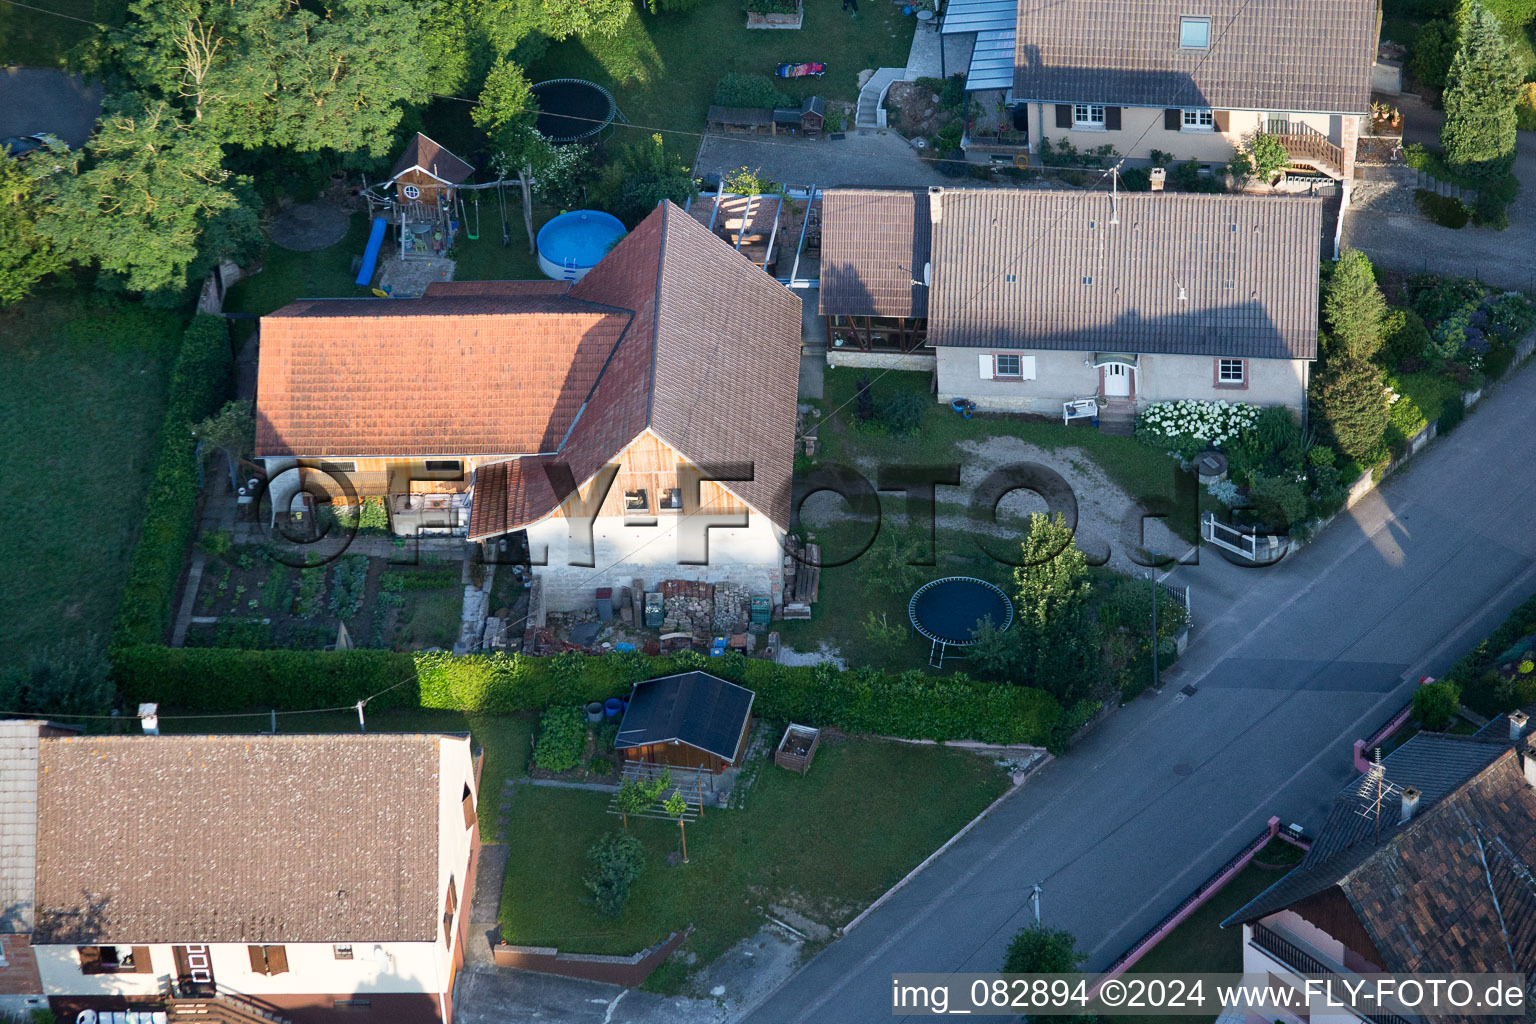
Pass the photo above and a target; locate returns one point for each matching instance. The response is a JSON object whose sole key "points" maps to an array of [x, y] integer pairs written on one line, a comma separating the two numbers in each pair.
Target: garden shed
{"points": [[688, 720], [740, 119], [807, 118]]}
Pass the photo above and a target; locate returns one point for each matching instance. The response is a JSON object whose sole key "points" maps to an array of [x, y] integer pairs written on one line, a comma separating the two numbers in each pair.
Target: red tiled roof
{"points": [[710, 363], [440, 375], [439, 289]]}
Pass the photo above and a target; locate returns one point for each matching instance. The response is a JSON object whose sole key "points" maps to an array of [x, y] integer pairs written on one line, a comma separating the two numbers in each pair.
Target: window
{"points": [[444, 465], [268, 959], [114, 959], [1088, 115], [1007, 366], [672, 498], [1194, 33], [1199, 120], [469, 807], [449, 906], [1231, 373], [342, 952], [411, 192], [637, 501]]}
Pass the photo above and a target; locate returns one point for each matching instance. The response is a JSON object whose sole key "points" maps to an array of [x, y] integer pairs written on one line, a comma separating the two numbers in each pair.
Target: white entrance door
{"points": [[1117, 381]]}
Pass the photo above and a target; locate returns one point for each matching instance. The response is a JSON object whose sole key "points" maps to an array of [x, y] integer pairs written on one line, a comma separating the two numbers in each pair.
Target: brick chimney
{"points": [[935, 203], [1517, 724], [1410, 803]]}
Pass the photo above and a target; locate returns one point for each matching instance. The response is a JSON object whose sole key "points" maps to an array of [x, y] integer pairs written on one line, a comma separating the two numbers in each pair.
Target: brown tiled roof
{"points": [[440, 289], [456, 374], [263, 839], [740, 115], [873, 248], [1263, 54], [434, 159], [1179, 274], [710, 362]]}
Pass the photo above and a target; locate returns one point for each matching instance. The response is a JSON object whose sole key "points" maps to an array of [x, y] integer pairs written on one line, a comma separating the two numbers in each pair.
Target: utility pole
{"points": [[1034, 901], [1152, 575]]}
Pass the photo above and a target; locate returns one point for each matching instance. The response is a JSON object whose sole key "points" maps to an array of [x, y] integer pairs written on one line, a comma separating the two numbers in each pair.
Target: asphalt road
{"points": [[1292, 664]]}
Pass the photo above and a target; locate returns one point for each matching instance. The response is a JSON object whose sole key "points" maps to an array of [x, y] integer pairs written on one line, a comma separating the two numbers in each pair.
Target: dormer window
{"points": [[1194, 33]]}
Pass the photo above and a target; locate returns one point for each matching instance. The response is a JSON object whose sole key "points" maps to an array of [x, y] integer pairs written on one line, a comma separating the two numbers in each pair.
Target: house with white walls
{"points": [[600, 425], [298, 878]]}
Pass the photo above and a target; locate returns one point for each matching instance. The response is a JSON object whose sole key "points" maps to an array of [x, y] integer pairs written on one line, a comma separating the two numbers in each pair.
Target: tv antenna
{"points": [[1375, 789]]}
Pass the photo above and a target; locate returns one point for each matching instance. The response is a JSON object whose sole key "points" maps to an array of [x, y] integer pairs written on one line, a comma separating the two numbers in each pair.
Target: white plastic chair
{"points": [[85, 1017]]}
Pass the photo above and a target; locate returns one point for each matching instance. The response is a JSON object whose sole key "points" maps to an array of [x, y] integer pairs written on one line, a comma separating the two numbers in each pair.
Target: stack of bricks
{"points": [[733, 606], [688, 606]]}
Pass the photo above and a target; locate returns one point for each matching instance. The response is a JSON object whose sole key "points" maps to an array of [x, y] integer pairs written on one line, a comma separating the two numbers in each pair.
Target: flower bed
{"points": [[774, 13], [1188, 427]]}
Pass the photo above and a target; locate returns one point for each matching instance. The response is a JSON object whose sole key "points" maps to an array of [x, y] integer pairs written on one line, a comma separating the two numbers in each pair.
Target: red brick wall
{"points": [[20, 978]]}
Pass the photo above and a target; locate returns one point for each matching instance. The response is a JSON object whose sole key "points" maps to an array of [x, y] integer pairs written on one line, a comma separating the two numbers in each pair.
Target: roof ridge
{"points": [[661, 267]]}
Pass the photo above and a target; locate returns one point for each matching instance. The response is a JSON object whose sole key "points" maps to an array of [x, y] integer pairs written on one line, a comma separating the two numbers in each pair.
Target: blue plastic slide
{"points": [[371, 254]]}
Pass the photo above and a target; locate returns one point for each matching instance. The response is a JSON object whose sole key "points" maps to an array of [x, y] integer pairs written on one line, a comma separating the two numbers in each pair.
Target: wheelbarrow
{"points": [[964, 406]]}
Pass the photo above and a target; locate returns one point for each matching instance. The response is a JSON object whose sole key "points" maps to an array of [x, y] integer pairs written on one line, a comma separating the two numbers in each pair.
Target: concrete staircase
{"points": [[870, 113], [1117, 419]]}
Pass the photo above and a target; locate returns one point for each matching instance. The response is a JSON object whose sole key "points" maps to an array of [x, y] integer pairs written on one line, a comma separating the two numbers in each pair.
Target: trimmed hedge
{"points": [[224, 679], [912, 705], [199, 384]]}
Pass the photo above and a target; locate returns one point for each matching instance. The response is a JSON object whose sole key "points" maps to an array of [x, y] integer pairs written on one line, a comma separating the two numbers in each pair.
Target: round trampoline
{"points": [[571, 244], [948, 611], [573, 109]]}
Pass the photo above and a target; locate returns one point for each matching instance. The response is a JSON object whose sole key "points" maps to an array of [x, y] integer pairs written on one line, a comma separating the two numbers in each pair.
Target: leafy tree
{"points": [[1279, 501], [506, 113], [615, 861], [1350, 402], [1059, 640], [890, 565], [637, 176], [1354, 307], [334, 75], [677, 807], [1480, 94], [1040, 950], [746, 181], [996, 654], [140, 205], [1262, 159], [68, 678], [904, 412], [1435, 704], [26, 256], [606, 18], [231, 430]]}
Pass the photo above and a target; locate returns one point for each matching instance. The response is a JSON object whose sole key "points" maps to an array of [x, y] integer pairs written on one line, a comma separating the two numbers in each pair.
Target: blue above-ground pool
{"points": [[572, 243]]}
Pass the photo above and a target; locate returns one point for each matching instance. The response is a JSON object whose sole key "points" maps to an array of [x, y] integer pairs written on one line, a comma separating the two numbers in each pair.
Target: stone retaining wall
{"points": [[615, 970]]}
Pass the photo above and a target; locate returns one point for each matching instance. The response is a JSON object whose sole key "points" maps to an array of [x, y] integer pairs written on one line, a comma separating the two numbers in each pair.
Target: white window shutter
{"points": [[986, 365], [1027, 367]]}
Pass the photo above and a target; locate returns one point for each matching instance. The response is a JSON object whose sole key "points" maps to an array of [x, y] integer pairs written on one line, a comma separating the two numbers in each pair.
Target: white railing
{"points": [[1259, 548]]}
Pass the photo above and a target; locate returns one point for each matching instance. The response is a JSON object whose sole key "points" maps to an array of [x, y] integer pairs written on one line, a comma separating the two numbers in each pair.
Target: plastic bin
{"points": [[612, 706]]}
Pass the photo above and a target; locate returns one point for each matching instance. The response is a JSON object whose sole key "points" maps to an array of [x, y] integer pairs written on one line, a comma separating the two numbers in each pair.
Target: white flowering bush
{"points": [[1188, 427]]}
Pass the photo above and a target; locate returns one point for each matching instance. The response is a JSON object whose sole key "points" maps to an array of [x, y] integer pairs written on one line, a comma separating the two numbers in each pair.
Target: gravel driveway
{"points": [[39, 100], [1384, 224]]}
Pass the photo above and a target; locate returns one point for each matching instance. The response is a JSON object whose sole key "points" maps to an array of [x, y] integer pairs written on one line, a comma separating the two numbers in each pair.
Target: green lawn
{"points": [[506, 739], [485, 258], [1141, 471], [662, 69], [1199, 944], [82, 392], [40, 39], [827, 843], [287, 275]]}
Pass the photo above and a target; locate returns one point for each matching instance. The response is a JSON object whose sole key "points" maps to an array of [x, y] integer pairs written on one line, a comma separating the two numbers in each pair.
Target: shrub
{"points": [[615, 860], [1354, 306], [1404, 420], [953, 93], [903, 413], [739, 89], [1187, 427], [1279, 502], [1406, 337], [348, 581], [370, 515], [1434, 297], [419, 579], [216, 542], [1480, 93], [562, 738], [1435, 704], [199, 384], [1443, 210], [234, 680], [1454, 411], [1433, 49], [1483, 689], [1351, 407], [1263, 159], [1136, 179], [1037, 949], [1525, 108]]}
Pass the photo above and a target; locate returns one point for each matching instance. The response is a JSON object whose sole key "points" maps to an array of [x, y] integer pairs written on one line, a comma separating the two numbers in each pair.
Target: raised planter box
{"points": [[797, 748], [614, 970], [778, 19]]}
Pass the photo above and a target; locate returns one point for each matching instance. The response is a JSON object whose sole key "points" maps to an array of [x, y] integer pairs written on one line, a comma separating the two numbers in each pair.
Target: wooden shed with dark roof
{"points": [[687, 720], [875, 269]]}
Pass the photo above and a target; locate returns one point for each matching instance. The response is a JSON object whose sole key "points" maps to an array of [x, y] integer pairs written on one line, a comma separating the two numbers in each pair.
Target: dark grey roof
{"points": [[1434, 763], [695, 708], [1264, 54], [1164, 273], [874, 244]]}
